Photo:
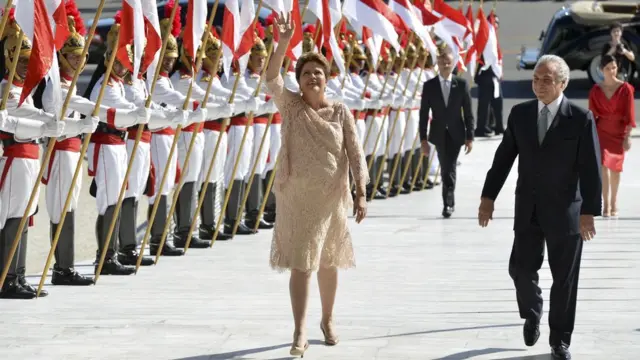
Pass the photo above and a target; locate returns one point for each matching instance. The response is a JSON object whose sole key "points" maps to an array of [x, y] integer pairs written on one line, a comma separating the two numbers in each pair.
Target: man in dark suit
{"points": [[452, 124], [557, 195]]}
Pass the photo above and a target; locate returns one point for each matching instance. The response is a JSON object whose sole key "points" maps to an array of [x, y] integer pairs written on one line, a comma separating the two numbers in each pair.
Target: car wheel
{"points": [[594, 71]]}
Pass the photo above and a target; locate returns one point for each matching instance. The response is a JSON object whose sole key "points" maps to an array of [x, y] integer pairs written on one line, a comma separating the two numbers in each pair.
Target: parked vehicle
{"points": [[578, 32], [98, 44]]}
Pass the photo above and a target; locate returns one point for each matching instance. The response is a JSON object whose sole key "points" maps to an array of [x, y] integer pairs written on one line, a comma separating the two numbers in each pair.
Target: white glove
{"points": [[4, 114], [50, 129], [252, 104], [271, 107], [143, 115], [90, 124], [227, 110], [387, 100], [180, 117], [240, 106], [197, 116], [27, 129], [397, 101], [262, 108]]}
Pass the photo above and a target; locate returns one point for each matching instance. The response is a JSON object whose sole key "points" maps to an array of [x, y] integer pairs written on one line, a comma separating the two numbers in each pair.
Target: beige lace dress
{"points": [[311, 185]]}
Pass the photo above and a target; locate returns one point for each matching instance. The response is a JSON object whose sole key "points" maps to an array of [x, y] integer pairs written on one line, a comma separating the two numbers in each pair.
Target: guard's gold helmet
{"points": [[172, 43], [15, 44], [74, 45]]}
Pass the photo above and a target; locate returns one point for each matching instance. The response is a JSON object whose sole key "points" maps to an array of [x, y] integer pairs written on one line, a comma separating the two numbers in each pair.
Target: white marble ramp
{"points": [[424, 288]]}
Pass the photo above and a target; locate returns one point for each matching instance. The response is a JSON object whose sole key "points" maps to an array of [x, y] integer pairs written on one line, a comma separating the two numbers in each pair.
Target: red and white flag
{"points": [[153, 36], [284, 7], [378, 17], [374, 43], [230, 37], [248, 31], [36, 18], [329, 13], [404, 9], [196, 23], [132, 31]]}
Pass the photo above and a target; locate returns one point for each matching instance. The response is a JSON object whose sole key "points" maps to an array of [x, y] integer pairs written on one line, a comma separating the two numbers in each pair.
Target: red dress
{"points": [[613, 116]]}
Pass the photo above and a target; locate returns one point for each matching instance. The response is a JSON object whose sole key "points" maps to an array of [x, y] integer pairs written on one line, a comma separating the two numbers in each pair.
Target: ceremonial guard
{"points": [[427, 74], [375, 124], [141, 179], [107, 154], [20, 162], [397, 111], [358, 85], [218, 108], [410, 75], [238, 123], [257, 62], [275, 141], [64, 159], [161, 140]]}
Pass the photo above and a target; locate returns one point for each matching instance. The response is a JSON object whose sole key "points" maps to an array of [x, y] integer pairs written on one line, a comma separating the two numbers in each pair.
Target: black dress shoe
{"points": [[269, 216], [560, 352], [69, 277], [206, 233], [113, 267], [251, 224], [242, 229], [531, 332], [180, 241], [13, 290], [447, 211], [22, 280], [130, 257], [167, 250]]}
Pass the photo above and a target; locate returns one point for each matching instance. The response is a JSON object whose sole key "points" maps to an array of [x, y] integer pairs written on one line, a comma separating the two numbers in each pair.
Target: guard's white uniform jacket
{"points": [[212, 132], [107, 151], [142, 170], [260, 130], [237, 127], [161, 140], [412, 107], [275, 140], [216, 107], [20, 162], [376, 130], [62, 165], [396, 116]]}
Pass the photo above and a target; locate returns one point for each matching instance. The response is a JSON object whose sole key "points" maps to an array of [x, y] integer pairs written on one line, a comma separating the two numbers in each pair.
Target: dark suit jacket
{"points": [[456, 117], [559, 178]]}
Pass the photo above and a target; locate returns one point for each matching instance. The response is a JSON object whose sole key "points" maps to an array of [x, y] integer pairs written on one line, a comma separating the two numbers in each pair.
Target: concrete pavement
{"points": [[424, 288]]}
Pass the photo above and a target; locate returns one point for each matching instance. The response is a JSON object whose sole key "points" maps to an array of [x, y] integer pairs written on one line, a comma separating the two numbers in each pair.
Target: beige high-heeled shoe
{"points": [[328, 340], [298, 350]]}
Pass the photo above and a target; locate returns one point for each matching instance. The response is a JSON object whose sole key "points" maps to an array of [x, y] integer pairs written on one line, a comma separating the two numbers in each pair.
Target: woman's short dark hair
{"points": [[615, 25], [606, 60], [311, 57]]}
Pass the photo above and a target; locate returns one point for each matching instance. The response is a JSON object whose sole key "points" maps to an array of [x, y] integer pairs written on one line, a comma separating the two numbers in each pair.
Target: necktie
{"points": [[445, 91], [543, 121]]}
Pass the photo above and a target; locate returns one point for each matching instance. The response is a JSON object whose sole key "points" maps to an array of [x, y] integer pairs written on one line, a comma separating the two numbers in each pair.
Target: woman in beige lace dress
{"points": [[319, 146]]}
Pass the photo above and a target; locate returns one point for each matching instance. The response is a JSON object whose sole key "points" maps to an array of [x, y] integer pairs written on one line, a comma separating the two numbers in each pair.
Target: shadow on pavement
{"points": [[440, 331], [240, 354], [546, 356], [473, 353]]}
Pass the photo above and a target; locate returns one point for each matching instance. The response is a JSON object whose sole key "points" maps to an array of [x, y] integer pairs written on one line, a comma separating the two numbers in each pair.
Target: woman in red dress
{"points": [[611, 102]]}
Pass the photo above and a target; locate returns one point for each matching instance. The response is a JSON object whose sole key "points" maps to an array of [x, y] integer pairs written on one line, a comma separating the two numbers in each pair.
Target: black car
{"points": [[98, 44], [578, 32]]}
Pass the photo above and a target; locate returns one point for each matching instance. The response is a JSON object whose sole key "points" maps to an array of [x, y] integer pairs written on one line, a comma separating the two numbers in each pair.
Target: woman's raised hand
{"points": [[285, 25]]}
